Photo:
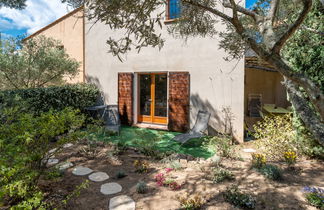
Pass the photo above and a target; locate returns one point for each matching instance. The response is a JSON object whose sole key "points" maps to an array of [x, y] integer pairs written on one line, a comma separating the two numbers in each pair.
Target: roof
{"points": [[252, 61], [54, 23]]}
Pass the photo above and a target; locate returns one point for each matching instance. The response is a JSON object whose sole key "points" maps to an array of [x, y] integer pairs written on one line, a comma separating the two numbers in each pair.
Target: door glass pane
{"points": [[161, 95], [145, 94]]}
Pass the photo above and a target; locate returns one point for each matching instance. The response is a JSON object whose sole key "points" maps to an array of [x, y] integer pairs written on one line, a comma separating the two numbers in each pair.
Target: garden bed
{"points": [[192, 177]]}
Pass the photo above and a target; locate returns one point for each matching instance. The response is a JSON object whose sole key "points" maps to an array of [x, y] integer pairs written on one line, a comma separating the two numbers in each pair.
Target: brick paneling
{"points": [[125, 97], [179, 94]]}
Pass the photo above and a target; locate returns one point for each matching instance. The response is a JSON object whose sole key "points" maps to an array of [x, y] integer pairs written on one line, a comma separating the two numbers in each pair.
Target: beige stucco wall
{"points": [[69, 31], [266, 83], [215, 83]]}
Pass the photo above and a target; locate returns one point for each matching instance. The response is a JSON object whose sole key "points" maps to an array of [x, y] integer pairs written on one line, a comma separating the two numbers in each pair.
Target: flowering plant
{"points": [[168, 170], [162, 181], [290, 157], [315, 196], [141, 166], [258, 160]]}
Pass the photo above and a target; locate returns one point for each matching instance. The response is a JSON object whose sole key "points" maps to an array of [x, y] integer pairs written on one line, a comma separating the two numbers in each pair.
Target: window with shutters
{"points": [[173, 9]]}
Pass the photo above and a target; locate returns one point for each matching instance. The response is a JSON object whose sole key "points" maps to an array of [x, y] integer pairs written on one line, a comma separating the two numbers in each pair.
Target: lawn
{"points": [[159, 140]]}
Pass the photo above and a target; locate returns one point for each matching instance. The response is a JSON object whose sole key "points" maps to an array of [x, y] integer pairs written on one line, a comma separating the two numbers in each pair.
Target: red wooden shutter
{"points": [[125, 97], [179, 94]]}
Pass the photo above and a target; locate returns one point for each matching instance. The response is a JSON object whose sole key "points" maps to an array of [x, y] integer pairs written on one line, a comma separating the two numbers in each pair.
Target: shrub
{"points": [[141, 166], [219, 174], [222, 145], [271, 172], [234, 196], [258, 160], [191, 203], [141, 187], [25, 140], [120, 174], [290, 158], [314, 196], [40, 100], [175, 165], [278, 134]]}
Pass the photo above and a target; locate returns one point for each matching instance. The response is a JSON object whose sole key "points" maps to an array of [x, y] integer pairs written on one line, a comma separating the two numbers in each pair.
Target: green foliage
{"points": [[39, 100], [25, 140], [14, 4], [191, 202], [141, 187], [53, 173], [277, 134], [220, 174], [120, 174], [222, 145], [271, 172], [36, 62], [305, 49], [314, 196], [234, 196], [175, 165]]}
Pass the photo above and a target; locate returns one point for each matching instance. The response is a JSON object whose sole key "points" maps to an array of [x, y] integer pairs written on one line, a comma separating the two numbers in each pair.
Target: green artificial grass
{"points": [[160, 140]]}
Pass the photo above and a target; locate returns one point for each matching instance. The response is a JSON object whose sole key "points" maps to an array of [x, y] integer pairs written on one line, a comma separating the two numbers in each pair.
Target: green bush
{"points": [[219, 174], [222, 145], [271, 172], [141, 187], [39, 100], [278, 134], [239, 199], [25, 140]]}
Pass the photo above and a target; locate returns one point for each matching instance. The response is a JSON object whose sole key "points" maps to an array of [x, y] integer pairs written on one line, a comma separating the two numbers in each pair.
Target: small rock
{"points": [[52, 151], [214, 159], [67, 145], [64, 166], [122, 202], [249, 150], [81, 171], [110, 188], [51, 162], [98, 177], [183, 162]]}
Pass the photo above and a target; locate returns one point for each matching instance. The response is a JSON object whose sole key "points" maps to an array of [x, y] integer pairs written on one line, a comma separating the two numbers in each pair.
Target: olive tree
{"points": [[36, 62], [265, 29]]}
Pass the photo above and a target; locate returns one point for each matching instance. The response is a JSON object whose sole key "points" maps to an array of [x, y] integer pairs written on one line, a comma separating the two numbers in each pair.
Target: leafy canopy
{"points": [[37, 62]]}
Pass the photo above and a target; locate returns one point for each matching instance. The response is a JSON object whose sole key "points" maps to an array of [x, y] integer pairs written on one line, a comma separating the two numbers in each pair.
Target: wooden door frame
{"points": [[152, 119]]}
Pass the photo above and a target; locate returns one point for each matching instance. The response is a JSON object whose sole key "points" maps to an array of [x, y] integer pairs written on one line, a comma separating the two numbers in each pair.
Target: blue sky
{"points": [[36, 15]]}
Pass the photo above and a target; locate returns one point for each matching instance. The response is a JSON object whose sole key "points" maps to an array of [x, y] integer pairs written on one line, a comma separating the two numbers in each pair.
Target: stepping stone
{"points": [[51, 162], [110, 188], [67, 145], [98, 177], [81, 171], [122, 202], [64, 166], [249, 150], [52, 151]]}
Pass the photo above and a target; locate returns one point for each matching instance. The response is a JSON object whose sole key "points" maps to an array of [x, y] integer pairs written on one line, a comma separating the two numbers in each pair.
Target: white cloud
{"points": [[37, 14]]}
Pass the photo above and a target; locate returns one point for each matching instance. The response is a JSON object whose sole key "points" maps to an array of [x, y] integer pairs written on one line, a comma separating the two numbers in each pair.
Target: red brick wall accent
{"points": [[179, 96], [125, 97]]}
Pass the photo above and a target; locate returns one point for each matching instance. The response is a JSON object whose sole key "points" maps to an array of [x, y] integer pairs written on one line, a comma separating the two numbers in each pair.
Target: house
{"points": [[165, 89], [68, 29]]}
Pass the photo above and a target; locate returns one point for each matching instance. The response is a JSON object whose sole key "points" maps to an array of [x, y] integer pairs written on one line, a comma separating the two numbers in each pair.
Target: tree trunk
{"points": [[311, 119]]}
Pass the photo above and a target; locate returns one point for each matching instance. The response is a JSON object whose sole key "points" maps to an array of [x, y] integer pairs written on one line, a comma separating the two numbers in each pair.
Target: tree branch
{"points": [[242, 10], [279, 44], [212, 10], [273, 9]]}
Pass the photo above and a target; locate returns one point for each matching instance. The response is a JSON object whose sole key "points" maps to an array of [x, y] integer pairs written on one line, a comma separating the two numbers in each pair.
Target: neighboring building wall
{"points": [[267, 83], [215, 84], [70, 31]]}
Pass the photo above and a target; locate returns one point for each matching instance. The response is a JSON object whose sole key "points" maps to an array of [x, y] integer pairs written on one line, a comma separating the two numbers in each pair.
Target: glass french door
{"points": [[152, 103]]}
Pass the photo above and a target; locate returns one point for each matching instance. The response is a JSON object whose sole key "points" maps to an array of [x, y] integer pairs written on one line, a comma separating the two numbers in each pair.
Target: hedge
{"points": [[40, 100]]}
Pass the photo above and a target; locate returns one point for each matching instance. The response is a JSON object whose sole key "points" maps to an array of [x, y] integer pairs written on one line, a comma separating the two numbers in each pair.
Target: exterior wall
{"points": [[69, 30], [267, 83], [215, 84]]}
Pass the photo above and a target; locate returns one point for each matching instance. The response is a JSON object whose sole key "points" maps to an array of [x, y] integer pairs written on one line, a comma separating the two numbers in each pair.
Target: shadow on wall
{"points": [[103, 97], [221, 121]]}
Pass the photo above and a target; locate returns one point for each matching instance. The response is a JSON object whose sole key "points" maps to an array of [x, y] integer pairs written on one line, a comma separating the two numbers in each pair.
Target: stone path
{"points": [[121, 202], [110, 188]]}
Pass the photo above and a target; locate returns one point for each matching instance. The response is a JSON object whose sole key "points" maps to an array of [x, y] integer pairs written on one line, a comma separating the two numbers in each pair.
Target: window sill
{"points": [[169, 21]]}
